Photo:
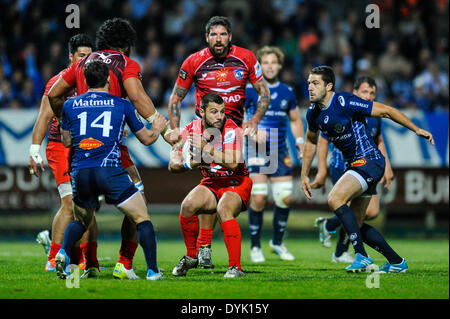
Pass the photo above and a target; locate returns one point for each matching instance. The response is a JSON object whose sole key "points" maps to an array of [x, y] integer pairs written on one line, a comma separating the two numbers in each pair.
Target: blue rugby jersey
{"points": [[343, 123], [337, 159], [96, 121], [282, 100]]}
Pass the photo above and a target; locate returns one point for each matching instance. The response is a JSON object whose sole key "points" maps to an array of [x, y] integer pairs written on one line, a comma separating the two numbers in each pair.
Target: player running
{"points": [[341, 117], [114, 39], [365, 87], [92, 124], [224, 69], [80, 45], [270, 160], [214, 145]]}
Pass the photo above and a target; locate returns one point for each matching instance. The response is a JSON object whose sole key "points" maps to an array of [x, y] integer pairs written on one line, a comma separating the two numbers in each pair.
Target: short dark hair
{"points": [[80, 40], [218, 20], [364, 79], [116, 33], [210, 97], [326, 72], [96, 74]]}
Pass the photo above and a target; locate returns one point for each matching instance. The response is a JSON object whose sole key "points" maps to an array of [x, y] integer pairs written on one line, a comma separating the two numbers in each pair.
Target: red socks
{"points": [[89, 251], [189, 228], [232, 237], [54, 248], [205, 237], [127, 251]]}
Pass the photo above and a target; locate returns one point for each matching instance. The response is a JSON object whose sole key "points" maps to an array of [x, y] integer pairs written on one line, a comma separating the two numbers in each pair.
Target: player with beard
{"points": [[115, 38], [224, 69], [80, 45], [341, 117], [214, 145]]}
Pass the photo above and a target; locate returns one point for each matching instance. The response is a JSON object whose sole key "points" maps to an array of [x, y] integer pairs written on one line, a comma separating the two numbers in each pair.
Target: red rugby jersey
{"points": [[226, 77], [53, 132], [120, 67], [230, 138]]}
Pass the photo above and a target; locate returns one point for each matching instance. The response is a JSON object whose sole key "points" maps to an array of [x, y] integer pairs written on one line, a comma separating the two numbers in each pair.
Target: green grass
{"points": [[310, 276]]}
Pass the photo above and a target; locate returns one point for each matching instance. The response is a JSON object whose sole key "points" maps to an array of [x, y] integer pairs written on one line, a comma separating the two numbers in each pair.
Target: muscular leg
{"points": [[346, 189], [199, 200], [228, 208], [256, 208], [374, 208], [62, 218], [128, 230]]}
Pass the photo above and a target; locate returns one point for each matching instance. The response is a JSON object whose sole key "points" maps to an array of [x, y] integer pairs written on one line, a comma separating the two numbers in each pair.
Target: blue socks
{"points": [[73, 233], [280, 217], [255, 219], [147, 239], [332, 224], [350, 225], [374, 239]]}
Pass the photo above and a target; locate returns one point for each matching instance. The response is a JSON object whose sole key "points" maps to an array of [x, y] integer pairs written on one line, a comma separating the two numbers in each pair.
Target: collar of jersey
{"points": [[271, 86], [329, 102]]}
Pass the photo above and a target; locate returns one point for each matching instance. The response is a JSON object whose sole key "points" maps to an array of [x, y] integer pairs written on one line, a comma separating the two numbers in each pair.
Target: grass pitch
{"points": [[310, 276]]}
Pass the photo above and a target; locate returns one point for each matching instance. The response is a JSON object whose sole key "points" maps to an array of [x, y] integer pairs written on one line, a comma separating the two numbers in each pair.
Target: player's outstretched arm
{"points": [[148, 137], [385, 111], [322, 153], [56, 96], [37, 136], [308, 156]]}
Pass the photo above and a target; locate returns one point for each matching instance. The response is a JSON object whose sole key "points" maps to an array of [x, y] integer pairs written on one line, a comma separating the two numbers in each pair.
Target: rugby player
{"points": [[80, 45], [114, 40], [216, 144], [366, 88], [224, 69], [270, 161], [341, 117], [92, 123]]}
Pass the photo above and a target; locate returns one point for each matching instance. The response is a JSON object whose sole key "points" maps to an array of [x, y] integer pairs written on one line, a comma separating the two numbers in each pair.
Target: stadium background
{"points": [[408, 56]]}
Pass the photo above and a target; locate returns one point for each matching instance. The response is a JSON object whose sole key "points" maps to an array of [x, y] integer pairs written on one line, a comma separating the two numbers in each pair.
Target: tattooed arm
{"points": [[261, 107], [174, 108]]}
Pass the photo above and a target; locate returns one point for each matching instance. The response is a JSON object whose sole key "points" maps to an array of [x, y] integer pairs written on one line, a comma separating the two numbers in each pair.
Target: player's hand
{"points": [[173, 137], [250, 128], [387, 177], [319, 180], [306, 187], [299, 147], [125, 133], [35, 160], [159, 123], [425, 134]]}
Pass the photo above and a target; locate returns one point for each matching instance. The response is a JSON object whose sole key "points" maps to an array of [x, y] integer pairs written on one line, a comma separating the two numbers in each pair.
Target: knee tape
{"points": [[280, 191], [260, 189]]}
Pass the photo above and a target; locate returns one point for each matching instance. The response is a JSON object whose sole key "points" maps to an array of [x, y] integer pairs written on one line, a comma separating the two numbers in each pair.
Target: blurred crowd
{"points": [[408, 53]]}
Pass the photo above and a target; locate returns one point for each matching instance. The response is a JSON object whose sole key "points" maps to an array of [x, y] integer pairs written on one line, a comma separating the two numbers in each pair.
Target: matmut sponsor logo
{"points": [[359, 104], [89, 143], [92, 102]]}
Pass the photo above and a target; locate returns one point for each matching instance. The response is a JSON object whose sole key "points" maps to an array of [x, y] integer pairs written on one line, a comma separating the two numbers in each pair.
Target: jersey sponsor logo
{"points": [[89, 143], [341, 100], [287, 161], [364, 105], [258, 70], [325, 120], [91, 102], [231, 99], [358, 162], [183, 74], [239, 74], [273, 96], [229, 90], [221, 75], [229, 137]]}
